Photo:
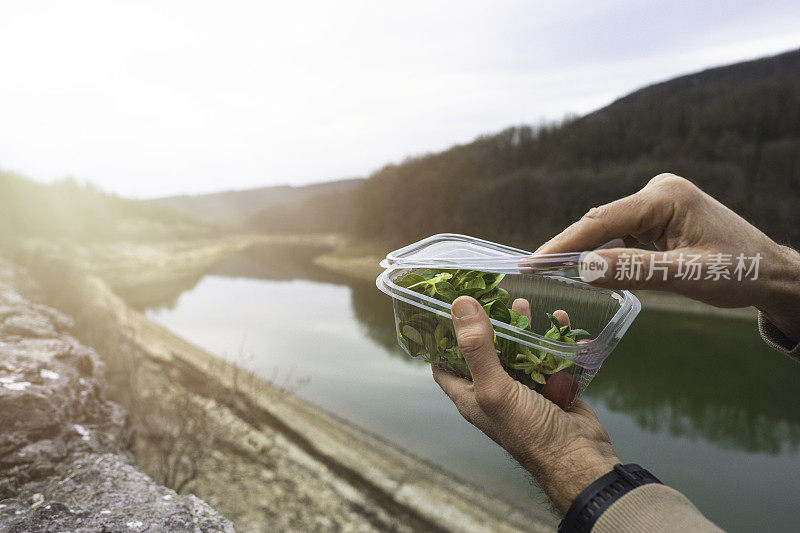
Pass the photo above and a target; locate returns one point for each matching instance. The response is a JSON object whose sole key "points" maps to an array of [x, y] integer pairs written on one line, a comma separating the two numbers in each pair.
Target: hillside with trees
{"points": [[69, 211], [734, 130]]}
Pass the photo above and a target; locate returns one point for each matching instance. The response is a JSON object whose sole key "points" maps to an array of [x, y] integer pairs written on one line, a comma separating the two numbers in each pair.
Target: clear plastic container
{"points": [[559, 367]]}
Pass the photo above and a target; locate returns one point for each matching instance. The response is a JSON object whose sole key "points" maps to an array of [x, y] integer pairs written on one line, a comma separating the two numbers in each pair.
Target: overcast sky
{"points": [[164, 97]]}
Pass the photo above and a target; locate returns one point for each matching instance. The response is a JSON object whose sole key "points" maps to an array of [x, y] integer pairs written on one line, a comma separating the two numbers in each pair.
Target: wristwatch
{"points": [[597, 497]]}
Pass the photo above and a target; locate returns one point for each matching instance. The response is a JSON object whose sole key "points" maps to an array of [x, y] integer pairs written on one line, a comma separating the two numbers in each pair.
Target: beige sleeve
{"points": [[654, 508], [776, 339]]}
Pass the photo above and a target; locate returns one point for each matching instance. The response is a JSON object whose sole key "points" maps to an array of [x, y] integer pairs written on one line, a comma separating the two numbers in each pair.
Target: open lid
{"points": [[453, 251]]}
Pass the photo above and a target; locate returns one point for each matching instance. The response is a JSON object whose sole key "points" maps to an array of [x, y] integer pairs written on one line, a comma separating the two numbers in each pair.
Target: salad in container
{"points": [[556, 359]]}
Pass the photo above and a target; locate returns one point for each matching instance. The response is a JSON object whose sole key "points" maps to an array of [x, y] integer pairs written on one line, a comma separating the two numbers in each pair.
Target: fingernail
{"points": [[465, 308], [543, 246]]}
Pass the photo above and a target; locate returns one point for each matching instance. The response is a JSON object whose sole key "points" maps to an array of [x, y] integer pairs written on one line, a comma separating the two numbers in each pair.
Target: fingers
{"points": [[475, 338], [461, 392], [592, 427], [562, 317], [456, 388], [651, 235], [523, 307], [644, 214], [583, 409]]}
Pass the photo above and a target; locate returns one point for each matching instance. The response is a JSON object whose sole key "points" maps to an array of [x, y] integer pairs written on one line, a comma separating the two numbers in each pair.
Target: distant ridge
{"points": [[734, 130], [783, 64], [231, 208]]}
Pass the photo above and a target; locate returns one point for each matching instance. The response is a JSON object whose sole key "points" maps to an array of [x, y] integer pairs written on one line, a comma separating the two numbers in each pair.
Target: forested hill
{"points": [[780, 65], [734, 130]]}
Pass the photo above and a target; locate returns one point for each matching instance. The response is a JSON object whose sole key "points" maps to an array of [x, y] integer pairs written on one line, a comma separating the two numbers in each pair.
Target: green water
{"points": [[700, 401]]}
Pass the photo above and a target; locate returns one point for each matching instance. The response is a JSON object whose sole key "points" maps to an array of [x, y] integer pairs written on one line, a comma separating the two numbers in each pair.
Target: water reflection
{"points": [[697, 377], [281, 262], [703, 377]]}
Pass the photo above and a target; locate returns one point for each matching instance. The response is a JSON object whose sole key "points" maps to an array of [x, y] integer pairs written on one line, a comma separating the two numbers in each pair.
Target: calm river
{"points": [[701, 402]]}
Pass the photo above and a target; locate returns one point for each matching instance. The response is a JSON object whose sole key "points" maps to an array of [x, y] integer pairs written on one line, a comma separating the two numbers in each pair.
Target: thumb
{"points": [[632, 268], [475, 338]]}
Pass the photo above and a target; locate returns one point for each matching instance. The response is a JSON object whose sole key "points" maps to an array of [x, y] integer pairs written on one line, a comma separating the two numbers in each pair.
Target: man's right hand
{"points": [[683, 222]]}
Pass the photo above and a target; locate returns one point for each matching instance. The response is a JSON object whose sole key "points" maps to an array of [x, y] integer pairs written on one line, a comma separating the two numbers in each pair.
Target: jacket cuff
{"points": [[653, 508], [776, 339]]}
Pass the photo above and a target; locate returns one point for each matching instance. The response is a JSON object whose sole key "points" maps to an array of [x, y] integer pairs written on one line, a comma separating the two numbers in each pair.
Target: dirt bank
{"points": [[261, 456], [157, 272]]}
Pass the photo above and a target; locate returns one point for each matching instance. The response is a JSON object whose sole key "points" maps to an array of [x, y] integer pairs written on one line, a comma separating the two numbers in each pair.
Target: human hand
{"points": [[564, 450], [684, 222]]}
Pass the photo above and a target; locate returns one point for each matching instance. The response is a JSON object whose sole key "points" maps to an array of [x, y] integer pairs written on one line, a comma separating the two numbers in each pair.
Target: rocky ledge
{"points": [[66, 461]]}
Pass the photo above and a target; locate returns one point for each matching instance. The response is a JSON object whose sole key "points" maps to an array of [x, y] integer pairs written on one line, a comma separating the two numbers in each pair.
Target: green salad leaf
{"points": [[431, 336]]}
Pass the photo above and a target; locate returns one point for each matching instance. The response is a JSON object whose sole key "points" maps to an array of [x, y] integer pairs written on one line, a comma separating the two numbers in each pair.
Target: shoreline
{"points": [[392, 488], [137, 274], [401, 482]]}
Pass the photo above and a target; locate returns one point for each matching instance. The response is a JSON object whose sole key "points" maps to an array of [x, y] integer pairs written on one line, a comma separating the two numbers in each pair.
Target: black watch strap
{"points": [[597, 497]]}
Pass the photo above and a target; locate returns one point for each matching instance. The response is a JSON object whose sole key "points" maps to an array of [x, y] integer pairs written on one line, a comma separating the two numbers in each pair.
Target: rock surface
{"points": [[65, 452]]}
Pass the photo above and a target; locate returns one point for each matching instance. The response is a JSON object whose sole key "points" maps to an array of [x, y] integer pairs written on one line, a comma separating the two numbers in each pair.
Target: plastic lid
{"points": [[453, 251]]}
